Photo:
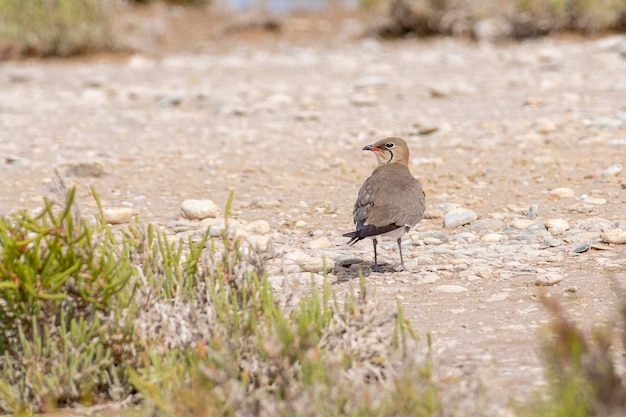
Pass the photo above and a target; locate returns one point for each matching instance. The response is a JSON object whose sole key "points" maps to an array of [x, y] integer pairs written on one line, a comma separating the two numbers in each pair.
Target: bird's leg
{"points": [[402, 268], [374, 241]]}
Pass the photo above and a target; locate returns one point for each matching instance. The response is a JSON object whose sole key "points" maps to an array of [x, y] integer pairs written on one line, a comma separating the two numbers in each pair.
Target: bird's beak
{"points": [[371, 148]]}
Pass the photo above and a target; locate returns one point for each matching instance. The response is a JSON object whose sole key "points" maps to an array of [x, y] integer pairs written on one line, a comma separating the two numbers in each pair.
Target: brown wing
{"points": [[389, 199]]}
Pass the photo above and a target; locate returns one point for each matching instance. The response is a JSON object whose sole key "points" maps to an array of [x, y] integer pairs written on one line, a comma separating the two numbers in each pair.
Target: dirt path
{"points": [[492, 129]]}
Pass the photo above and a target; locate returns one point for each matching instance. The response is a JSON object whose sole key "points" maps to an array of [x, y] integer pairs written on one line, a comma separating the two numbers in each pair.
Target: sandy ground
{"points": [[281, 119]]}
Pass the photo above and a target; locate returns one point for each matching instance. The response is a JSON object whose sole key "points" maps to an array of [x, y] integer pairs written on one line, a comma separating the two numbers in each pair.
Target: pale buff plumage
{"points": [[391, 201]]}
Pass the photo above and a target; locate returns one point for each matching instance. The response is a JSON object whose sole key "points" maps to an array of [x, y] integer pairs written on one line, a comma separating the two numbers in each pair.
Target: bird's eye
{"points": [[390, 145]]}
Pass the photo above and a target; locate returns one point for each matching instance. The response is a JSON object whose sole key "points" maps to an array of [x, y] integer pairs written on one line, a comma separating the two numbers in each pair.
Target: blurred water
{"points": [[286, 5]]}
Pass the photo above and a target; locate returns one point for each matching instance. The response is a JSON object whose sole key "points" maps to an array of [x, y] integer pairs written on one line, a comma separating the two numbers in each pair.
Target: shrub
{"points": [[582, 371], [66, 332], [57, 27]]}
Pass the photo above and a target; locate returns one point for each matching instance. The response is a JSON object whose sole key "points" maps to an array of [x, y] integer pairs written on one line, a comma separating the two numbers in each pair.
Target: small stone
{"points": [[601, 246], [314, 264], [320, 243], [484, 272], [549, 279], [492, 237], [595, 201], [521, 224], [259, 227], [363, 100], [117, 215], [440, 90], [578, 236], [198, 209], [263, 203], [279, 99], [430, 240], [259, 243], [434, 213], [18, 160], [614, 236], [556, 226], [450, 288], [500, 296], [612, 171], [85, 169], [596, 224], [562, 192], [486, 226], [458, 217], [307, 115], [427, 278], [551, 243], [532, 211], [545, 126], [427, 130], [300, 224], [347, 262], [582, 248], [171, 100], [526, 237], [581, 208], [371, 81]]}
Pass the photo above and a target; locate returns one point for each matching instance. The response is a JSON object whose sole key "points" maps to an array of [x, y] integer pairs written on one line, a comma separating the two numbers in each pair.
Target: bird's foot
{"points": [[398, 268]]}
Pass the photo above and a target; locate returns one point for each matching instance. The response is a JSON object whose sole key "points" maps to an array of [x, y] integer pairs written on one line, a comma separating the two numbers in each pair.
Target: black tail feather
{"points": [[354, 237], [369, 230]]}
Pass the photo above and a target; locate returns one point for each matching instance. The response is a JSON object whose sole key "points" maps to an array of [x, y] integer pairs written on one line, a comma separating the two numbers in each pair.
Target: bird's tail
{"points": [[353, 237]]}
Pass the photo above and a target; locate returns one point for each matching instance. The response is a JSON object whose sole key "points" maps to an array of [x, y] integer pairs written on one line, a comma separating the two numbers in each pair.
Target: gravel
{"points": [[518, 157]]}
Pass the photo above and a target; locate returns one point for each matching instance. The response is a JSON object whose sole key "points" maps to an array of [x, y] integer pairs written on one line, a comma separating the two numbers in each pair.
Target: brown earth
{"points": [[217, 103]]}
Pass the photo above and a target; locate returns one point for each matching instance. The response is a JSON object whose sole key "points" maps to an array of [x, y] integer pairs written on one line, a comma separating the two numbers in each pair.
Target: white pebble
{"points": [[117, 215], [562, 192], [259, 243], [458, 217], [551, 278], [614, 236], [521, 224], [429, 240], [450, 288], [612, 170], [492, 237], [198, 209], [556, 226], [320, 243], [308, 263], [259, 227], [594, 200]]}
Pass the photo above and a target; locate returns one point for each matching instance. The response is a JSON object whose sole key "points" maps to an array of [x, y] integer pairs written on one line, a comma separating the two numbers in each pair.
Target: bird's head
{"points": [[390, 151]]}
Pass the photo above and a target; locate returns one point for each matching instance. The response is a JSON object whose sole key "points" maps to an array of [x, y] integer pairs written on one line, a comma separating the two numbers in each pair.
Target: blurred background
{"points": [[71, 27]]}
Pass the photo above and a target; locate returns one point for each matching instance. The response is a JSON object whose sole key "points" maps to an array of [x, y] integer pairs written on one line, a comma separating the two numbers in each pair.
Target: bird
{"points": [[391, 201]]}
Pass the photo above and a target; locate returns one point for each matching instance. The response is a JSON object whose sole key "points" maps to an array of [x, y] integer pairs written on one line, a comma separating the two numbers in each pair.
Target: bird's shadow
{"points": [[349, 273]]}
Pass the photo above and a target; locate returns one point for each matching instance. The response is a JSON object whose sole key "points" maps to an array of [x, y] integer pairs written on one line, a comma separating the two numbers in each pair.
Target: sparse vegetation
{"points": [[60, 27], [583, 372], [506, 19], [71, 27], [93, 314]]}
